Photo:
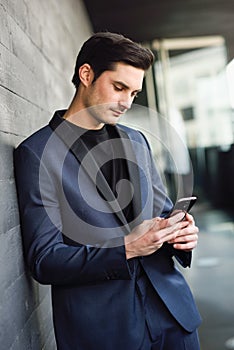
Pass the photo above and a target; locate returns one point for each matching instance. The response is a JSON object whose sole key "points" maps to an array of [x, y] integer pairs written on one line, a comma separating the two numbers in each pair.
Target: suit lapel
{"points": [[81, 152], [134, 176]]}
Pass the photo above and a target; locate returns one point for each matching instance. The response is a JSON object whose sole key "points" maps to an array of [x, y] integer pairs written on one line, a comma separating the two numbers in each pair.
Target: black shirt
{"points": [[108, 152]]}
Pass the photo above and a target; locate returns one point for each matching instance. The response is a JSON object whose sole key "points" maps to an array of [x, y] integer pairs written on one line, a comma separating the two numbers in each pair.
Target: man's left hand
{"points": [[188, 236]]}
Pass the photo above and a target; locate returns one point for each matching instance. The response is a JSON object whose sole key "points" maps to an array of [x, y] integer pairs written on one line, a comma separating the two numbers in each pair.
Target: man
{"points": [[92, 207]]}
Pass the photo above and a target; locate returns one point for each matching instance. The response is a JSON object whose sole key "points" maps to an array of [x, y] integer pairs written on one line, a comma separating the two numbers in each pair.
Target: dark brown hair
{"points": [[102, 50]]}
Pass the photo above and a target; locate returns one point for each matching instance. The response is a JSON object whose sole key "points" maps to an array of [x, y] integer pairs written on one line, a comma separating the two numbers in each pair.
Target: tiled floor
{"points": [[211, 277]]}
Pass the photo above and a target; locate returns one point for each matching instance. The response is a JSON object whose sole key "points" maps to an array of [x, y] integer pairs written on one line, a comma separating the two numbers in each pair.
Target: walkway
{"points": [[212, 277]]}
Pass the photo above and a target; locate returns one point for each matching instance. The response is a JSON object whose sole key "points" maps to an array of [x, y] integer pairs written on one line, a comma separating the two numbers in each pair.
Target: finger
{"points": [[189, 230], [185, 238], [185, 246], [157, 239], [188, 233], [159, 223], [189, 218], [176, 218], [169, 233]]}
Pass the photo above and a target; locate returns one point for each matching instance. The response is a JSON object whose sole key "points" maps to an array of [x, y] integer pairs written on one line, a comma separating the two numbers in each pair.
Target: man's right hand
{"points": [[149, 236]]}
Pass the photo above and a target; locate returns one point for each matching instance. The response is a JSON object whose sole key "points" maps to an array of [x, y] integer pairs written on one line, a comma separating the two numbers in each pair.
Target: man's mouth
{"points": [[117, 113]]}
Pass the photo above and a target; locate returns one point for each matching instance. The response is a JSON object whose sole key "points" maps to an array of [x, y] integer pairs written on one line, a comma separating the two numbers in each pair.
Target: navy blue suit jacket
{"points": [[73, 239]]}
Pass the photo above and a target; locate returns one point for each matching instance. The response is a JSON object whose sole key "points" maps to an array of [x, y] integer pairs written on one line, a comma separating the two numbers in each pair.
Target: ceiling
{"points": [[145, 20]]}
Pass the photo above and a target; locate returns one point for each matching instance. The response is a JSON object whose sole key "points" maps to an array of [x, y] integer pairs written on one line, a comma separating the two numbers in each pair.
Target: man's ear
{"points": [[86, 74]]}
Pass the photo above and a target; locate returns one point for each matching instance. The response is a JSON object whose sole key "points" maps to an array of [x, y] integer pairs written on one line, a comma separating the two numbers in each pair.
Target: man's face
{"points": [[112, 94]]}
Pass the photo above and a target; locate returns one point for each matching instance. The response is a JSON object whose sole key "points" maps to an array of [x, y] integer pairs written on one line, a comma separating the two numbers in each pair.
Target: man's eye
{"points": [[117, 88]]}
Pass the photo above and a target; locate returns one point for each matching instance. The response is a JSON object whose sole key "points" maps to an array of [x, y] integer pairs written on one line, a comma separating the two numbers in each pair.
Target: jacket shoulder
{"points": [[37, 141], [133, 134]]}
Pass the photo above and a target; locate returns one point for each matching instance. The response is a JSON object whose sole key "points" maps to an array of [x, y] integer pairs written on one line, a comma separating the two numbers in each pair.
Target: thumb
{"points": [[176, 218]]}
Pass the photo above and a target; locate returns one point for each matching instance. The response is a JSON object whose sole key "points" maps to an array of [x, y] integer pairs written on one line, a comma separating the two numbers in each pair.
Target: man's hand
{"points": [[188, 237], [150, 235]]}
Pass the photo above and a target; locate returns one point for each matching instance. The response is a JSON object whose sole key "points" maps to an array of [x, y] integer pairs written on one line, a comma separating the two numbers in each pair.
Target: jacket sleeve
{"points": [[50, 260]]}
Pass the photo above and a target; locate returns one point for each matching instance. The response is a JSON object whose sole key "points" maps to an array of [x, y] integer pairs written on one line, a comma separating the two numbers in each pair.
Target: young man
{"points": [[92, 207]]}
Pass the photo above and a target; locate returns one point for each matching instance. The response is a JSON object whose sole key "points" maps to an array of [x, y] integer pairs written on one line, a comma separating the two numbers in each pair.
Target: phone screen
{"points": [[182, 205]]}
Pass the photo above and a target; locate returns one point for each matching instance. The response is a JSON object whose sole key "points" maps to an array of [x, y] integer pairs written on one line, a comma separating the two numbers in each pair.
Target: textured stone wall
{"points": [[39, 41]]}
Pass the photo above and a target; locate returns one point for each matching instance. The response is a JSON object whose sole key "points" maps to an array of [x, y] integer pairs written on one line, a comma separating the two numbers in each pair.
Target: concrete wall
{"points": [[39, 41]]}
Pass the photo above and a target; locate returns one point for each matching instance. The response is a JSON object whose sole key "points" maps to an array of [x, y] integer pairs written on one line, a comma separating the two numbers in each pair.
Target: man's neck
{"points": [[78, 115]]}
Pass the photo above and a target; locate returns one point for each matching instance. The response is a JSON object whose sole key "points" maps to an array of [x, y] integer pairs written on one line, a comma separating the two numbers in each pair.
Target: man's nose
{"points": [[126, 103]]}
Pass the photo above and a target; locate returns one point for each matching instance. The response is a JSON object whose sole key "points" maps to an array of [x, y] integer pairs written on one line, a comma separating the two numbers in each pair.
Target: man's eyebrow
{"points": [[125, 85]]}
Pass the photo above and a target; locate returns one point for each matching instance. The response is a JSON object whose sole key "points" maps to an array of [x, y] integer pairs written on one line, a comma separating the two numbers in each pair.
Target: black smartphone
{"points": [[182, 205]]}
